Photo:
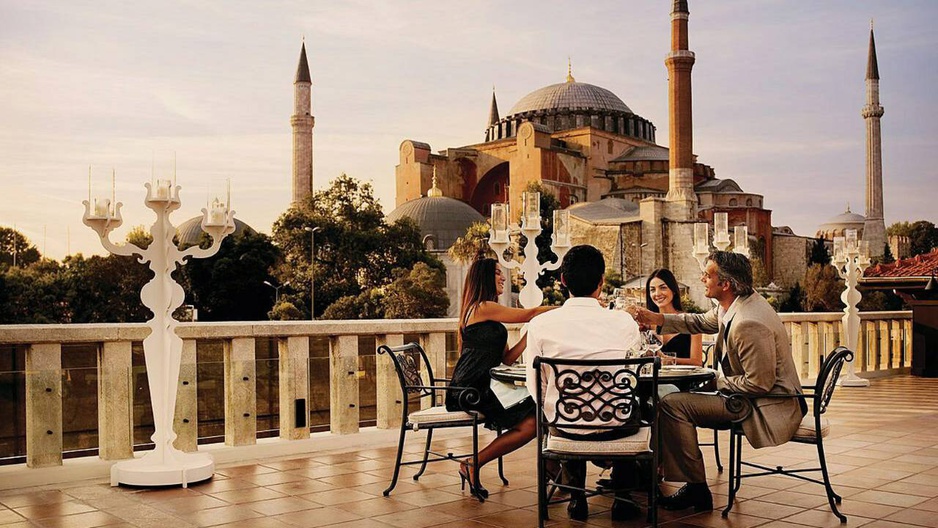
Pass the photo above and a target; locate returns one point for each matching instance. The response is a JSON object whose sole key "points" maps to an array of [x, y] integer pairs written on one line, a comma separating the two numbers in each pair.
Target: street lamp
{"points": [[851, 258], [312, 270], [277, 290]]}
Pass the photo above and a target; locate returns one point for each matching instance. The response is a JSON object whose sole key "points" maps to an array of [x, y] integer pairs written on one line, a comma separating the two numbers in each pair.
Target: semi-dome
{"points": [[570, 96], [441, 218], [189, 232]]}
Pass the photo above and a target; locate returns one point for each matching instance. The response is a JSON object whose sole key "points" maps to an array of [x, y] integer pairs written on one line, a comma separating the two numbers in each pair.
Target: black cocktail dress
{"points": [[483, 345]]}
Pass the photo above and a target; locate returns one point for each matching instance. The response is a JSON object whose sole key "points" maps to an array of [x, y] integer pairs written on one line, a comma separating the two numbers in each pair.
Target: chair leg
{"points": [[832, 498], [475, 461], [716, 450], [501, 466], [541, 491], [397, 463], [426, 454], [734, 468]]}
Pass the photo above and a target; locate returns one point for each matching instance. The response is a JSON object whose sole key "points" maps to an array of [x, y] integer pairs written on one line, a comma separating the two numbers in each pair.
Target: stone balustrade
{"points": [[885, 347]]}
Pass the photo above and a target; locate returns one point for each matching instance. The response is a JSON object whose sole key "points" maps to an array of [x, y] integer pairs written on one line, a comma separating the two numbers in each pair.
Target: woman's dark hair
{"points": [[668, 278], [478, 288]]}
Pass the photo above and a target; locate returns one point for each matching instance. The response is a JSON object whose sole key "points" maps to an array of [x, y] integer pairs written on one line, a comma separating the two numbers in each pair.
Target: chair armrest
{"points": [[795, 396], [735, 403], [468, 396]]}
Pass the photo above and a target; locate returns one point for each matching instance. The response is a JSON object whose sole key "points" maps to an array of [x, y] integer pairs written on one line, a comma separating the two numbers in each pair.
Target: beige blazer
{"points": [[760, 362]]}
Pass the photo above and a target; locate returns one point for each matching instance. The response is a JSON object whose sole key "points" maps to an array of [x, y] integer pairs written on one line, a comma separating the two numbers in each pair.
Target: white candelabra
{"points": [[721, 238], [851, 258], [164, 465], [529, 268]]}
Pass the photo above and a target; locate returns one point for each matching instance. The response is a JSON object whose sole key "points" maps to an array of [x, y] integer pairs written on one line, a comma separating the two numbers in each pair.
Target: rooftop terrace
{"points": [[883, 453]]}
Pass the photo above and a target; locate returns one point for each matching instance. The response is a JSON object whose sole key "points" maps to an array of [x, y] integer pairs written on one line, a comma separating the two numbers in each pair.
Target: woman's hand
{"points": [[645, 317]]}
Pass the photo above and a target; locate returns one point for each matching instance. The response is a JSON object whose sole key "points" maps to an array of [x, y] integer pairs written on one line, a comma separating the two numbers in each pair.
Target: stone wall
{"points": [[791, 255]]}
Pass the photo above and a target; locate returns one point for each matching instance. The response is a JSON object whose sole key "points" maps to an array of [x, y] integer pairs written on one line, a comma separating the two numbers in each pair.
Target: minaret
{"points": [[302, 121], [680, 130], [493, 111], [491, 132], [874, 229]]}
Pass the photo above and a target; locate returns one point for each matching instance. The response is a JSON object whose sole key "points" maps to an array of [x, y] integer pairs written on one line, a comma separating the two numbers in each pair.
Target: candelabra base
{"points": [[177, 468], [852, 380]]}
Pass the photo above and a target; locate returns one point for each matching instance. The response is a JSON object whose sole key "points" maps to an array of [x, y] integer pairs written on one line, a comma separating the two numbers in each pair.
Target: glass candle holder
{"points": [[562, 227], [701, 237], [500, 223], [532, 209], [741, 236], [850, 239], [839, 248], [720, 231]]}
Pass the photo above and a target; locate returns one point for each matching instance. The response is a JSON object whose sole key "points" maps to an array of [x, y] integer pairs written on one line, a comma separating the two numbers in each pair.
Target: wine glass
{"points": [[651, 342]]}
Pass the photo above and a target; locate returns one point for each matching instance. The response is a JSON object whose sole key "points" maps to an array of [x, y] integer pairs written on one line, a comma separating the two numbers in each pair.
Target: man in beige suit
{"points": [[755, 359]]}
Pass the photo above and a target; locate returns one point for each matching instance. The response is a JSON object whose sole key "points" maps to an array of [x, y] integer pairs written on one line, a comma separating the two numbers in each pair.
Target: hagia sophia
{"points": [[635, 200]]}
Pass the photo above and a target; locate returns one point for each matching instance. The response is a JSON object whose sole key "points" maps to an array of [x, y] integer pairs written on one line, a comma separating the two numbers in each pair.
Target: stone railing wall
{"points": [[885, 346]]}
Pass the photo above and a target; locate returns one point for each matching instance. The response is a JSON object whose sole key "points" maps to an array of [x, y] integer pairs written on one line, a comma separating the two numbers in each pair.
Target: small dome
{"points": [[835, 226], [444, 219], [189, 232], [570, 95]]}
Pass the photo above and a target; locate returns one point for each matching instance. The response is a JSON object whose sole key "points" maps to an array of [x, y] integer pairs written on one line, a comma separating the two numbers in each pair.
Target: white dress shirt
{"points": [[580, 329]]}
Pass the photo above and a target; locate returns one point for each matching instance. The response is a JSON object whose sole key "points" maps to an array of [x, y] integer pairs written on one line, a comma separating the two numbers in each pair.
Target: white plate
{"points": [[679, 367]]}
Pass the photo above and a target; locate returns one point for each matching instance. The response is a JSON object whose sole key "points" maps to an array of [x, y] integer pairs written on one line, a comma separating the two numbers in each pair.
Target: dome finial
{"points": [[848, 207], [570, 78], [434, 191]]}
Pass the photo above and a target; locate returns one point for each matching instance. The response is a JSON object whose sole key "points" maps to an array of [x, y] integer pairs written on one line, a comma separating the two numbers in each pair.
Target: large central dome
{"points": [[570, 95]]}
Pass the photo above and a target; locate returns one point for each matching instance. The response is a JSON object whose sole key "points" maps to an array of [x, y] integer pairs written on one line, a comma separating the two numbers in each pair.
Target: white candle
{"points": [[163, 189], [102, 208], [720, 231], [701, 237], [838, 248], [218, 215], [532, 209], [562, 227], [850, 236], [500, 223], [741, 234]]}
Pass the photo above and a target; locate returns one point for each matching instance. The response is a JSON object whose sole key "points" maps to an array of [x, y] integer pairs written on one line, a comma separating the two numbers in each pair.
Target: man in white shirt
{"points": [[582, 329]]}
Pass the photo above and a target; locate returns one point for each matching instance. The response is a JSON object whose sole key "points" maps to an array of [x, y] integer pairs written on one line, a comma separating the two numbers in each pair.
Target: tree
{"points": [[887, 257], [923, 235], [416, 294], [473, 245], [822, 289], [760, 277], [356, 250], [795, 300], [819, 254], [229, 286], [13, 243]]}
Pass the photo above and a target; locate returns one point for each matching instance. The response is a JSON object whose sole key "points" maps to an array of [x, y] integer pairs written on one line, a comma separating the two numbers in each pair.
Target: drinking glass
{"points": [[651, 342], [669, 358]]}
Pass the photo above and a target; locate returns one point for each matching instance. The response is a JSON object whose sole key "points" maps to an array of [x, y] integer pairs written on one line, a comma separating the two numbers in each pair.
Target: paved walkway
{"points": [[883, 450]]}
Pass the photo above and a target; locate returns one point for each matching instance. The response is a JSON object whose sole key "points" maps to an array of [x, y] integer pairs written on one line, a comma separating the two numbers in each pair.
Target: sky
{"points": [[127, 87]]}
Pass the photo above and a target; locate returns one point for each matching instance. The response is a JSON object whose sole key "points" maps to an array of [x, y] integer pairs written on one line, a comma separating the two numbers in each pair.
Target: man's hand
{"points": [[645, 317]]}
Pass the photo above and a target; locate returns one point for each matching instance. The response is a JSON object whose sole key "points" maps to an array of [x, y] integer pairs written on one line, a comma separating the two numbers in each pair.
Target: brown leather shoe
{"points": [[696, 495]]}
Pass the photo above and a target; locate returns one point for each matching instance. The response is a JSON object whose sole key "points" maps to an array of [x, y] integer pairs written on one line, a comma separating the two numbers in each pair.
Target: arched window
{"points": [[749, 202], [733, 202]]}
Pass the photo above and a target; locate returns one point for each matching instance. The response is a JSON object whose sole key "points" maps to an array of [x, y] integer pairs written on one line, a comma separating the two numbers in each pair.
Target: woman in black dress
{"points": [[662, 295], [483, 342]]}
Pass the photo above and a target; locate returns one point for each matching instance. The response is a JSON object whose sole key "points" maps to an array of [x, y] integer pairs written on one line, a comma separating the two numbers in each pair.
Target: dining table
{"points": [[684, 377]]}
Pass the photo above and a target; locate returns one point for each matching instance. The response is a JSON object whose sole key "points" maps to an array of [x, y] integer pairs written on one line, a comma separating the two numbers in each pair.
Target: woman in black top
{"points": [[663, 295], [483, 343]]}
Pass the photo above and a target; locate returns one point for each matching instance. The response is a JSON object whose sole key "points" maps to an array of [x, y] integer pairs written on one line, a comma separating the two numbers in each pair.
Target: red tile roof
{"points": [[918, 266]]}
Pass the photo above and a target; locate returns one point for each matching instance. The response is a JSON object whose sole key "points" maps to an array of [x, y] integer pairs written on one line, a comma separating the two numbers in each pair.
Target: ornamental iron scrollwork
{"points": [[830, 374], [596, 395]]}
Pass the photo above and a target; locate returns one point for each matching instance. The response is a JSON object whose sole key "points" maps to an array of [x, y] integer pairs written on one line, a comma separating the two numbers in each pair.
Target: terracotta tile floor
{"points": [[883, 453]]}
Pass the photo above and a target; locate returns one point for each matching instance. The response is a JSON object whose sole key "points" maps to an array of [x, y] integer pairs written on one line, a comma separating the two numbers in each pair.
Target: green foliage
{"points": [[612, 280], [12, 243], [473, 245], [822, 289], [819, 254], [880, 301], [356, 250], [887, 257], [759, 276], [416, 294], [229, 286], [689, 305], [285, 311], [923, 235], [795, 300]]}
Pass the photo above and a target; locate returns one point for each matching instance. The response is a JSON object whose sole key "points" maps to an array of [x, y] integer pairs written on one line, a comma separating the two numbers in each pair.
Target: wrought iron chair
{"points": [[707, 350], [813, 429], [593, 396], [408, 361]]}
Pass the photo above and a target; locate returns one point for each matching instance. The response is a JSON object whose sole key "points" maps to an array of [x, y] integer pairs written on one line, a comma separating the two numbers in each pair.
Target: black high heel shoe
{"points": [[476, 491]]}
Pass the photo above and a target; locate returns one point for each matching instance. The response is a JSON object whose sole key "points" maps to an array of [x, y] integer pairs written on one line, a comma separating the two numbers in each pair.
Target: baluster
{"points": [[186, 419], [293, 354], [240, 392], [44, 405], [435, 346], [388, 387], [115, 401], [343, 384]]}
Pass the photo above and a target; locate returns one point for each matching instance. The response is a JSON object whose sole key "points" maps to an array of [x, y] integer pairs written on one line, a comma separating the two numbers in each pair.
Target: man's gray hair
{"points": [[734, 269]]}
